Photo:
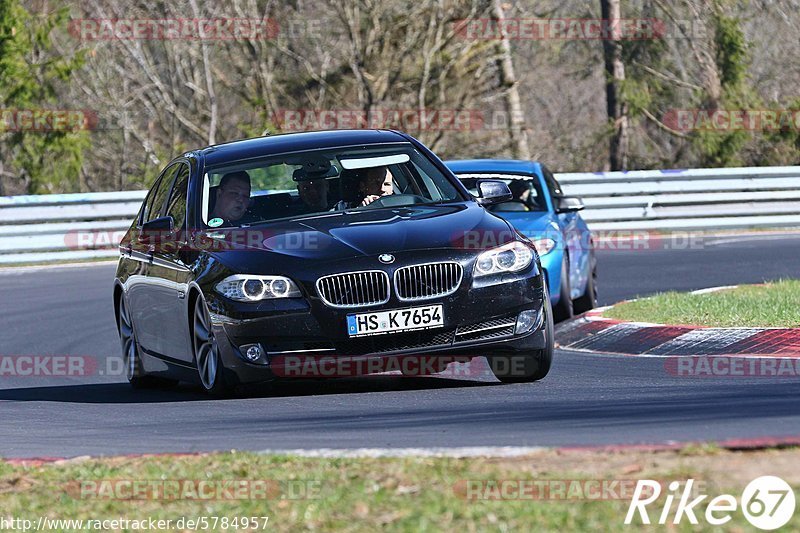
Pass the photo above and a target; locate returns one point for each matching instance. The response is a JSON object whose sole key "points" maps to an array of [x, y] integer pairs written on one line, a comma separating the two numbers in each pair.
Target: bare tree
{"points": [[517, 131], [616, 107], [159, 97], [212, 96]]}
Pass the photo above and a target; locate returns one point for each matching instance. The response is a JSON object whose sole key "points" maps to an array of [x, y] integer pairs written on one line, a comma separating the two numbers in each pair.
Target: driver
{"points": [[233, 198], [377, 182], [521, 192]]}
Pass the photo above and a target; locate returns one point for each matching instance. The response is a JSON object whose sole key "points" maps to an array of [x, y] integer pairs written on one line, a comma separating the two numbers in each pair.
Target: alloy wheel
{"points": [[205, 346], [130, 350]]}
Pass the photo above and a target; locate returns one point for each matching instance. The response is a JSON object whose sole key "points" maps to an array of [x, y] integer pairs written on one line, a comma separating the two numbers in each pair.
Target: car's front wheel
{"points": [[524, 368], [563, 309], [588, 301], [206, 351]]}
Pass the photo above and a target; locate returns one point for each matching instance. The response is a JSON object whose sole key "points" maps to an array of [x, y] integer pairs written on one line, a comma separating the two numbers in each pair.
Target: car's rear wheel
{"points": [[588, 301], [524, 368], [131, 355], [206, 352], [563, 309]]}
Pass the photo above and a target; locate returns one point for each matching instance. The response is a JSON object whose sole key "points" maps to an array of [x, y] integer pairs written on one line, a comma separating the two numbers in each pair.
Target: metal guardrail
{"points": [[66, 227], [696, 199]]}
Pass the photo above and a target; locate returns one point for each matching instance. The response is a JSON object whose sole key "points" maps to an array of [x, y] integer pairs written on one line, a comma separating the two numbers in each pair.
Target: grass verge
{"points": [[774, 304], [395, 494]]}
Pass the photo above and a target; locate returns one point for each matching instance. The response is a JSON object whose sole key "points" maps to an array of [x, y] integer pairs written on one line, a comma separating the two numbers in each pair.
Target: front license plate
{"points": [[430, 316]]}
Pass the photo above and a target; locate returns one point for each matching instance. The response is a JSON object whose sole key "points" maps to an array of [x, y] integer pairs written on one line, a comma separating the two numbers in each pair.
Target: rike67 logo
{"points": [[768, 502]]}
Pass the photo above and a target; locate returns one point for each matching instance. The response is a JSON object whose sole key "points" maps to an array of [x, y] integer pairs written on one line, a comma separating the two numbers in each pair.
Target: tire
{"points": [[536, 365], [134, 371], [210, 368], [563, 309], [588, 301]]}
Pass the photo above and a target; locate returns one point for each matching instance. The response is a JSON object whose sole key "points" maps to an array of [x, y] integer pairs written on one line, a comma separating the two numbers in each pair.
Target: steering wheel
{"points": [[396, 200]]}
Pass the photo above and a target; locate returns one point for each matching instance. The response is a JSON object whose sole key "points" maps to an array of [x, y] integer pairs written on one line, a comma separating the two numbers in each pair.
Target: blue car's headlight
{"points": [[511, 257], [544, 246], [246, 288]]}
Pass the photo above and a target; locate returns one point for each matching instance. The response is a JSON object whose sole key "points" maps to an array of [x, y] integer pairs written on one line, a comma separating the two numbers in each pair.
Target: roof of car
{"points": [[502, 166], [292, 142]]}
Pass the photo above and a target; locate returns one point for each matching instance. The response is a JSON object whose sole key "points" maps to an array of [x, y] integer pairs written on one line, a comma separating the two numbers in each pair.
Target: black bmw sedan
{"points": [[255, 257]]}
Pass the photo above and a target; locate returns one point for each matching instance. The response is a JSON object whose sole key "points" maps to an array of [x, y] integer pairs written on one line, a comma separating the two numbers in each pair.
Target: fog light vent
{"points": [[528, 320], [252, 352]]}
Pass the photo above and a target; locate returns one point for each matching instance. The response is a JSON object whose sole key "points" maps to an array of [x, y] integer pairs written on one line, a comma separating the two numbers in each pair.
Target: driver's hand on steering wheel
{"points": [[369, 199]]}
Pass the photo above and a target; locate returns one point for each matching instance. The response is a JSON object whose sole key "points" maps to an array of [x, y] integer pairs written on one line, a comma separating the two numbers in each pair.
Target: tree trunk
{"points": [[615, 75], [518, 134], [212, 95]]}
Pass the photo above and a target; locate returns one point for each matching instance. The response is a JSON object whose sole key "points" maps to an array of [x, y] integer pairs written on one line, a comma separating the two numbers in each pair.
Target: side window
{"points": [[148, 201], [176, 207], [552, 184], [158, 195], [421, 172]]}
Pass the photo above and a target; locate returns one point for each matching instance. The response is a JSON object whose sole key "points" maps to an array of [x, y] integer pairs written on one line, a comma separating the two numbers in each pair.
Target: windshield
{"points": [[526, 191], [321, 182]]}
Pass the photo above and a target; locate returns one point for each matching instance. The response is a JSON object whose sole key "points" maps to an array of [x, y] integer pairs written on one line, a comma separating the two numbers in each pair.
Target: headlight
{"points": [[544, 246], [511, 257], [245, 288]]}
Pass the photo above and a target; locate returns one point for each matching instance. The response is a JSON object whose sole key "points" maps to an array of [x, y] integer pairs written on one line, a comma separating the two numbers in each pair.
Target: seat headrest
{"points": [[348, 184]]}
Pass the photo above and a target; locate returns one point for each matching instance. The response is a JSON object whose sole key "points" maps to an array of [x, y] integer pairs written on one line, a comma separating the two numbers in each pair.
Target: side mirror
{"points": [[155, 230], [568, 204], [491, 192]]}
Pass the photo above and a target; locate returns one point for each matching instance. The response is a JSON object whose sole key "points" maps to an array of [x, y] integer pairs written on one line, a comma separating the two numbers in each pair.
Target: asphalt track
{"points": [[586, 400]]}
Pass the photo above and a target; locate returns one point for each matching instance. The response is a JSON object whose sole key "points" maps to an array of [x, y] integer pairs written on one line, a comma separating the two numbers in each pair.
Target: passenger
{"points": [[314, 194]]}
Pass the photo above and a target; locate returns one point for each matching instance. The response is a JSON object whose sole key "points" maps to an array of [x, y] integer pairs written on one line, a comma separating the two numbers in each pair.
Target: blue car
{"points": [[542, 212]]}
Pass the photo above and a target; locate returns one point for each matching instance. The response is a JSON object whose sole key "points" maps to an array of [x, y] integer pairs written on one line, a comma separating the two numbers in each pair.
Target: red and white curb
{"points": [[593, 332]]}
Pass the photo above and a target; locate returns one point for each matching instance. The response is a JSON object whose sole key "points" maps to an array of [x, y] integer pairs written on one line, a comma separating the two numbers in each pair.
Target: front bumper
{"points": [[479, 320]]}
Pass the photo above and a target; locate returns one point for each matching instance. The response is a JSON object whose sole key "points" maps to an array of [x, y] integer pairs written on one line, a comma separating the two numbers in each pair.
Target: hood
{"points": [[532, 224], [369, 232]]}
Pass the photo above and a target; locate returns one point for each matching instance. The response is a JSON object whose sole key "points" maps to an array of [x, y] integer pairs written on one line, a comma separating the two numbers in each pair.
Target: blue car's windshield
{"points": [[526, 190], [321, 181]]}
